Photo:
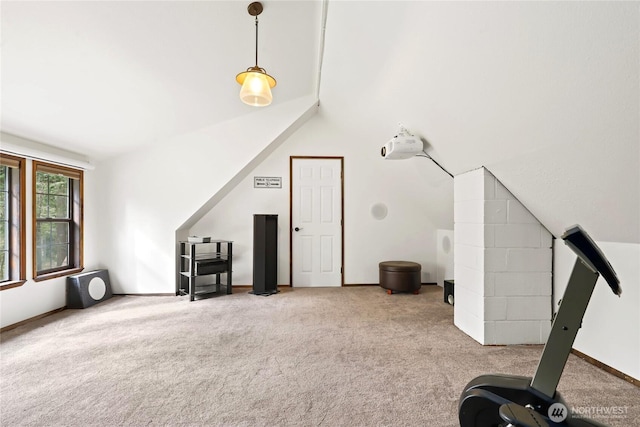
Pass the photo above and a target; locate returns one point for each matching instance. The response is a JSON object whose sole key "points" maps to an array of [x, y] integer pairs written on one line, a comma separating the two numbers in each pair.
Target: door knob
{"points": [[297, 229]]}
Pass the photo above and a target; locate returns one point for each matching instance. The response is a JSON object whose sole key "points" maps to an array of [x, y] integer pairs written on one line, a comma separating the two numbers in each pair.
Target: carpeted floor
{"points": [[352, 356]]}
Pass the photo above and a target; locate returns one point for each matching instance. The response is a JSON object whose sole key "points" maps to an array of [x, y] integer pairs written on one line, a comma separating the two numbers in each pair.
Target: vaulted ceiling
{"points": [[544, 94], [104, 77]]}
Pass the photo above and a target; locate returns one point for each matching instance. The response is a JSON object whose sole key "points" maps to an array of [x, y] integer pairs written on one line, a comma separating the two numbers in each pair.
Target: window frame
{"points": [[17, 215], [76, 208]]}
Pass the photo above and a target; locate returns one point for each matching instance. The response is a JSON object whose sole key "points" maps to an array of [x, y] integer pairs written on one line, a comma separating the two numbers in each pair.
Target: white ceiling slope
{"points": [[105, 77], [543, 94]]}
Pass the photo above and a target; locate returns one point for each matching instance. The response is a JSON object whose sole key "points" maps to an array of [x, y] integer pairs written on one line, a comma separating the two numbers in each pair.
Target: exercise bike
{"points": [[509, 400]]}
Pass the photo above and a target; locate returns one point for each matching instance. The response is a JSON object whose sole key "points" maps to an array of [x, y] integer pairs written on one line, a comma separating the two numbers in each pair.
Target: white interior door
{"points": [[316, 222]]}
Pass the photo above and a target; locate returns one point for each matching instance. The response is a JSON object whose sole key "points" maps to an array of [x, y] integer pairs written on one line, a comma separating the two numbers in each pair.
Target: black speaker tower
{"points": [[265, 254]]}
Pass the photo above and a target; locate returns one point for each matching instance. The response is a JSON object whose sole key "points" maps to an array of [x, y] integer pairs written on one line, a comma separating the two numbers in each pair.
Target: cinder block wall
{"points": [[502, 264]]}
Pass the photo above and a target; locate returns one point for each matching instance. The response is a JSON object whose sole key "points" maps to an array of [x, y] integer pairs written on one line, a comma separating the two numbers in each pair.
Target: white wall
{"points": [[146, 196], [405, 186], [610, 330], [35, 298]]}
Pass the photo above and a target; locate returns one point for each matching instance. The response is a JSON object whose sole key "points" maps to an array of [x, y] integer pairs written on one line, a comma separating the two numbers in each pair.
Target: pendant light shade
{"points": [[256, 83], [256, 87]]}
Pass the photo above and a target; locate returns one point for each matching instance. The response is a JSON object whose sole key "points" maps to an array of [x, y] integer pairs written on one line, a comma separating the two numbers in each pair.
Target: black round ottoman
{"points": [[400, 276]]}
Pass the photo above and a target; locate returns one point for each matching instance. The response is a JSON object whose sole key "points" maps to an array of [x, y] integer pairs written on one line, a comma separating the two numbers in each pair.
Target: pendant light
{"points": [[256, 83]]}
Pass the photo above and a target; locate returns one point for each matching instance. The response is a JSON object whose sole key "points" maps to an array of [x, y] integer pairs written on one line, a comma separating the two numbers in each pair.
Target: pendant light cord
{"points": [[256, 41]]}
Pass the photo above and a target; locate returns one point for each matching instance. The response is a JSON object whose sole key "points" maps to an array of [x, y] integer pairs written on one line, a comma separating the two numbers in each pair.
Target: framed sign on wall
{"points": [[267, 182]]}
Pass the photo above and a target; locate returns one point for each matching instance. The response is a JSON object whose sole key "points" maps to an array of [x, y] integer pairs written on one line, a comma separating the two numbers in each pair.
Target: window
{"points": [[12, 219], [57, 206]]}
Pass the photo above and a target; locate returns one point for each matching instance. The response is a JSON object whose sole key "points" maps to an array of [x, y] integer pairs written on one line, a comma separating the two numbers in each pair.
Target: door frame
{"points": [[291, 159]]}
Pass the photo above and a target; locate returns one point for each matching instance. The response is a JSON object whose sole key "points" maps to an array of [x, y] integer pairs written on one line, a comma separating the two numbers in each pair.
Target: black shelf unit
{"points": [[199, 265], [265, 254]]}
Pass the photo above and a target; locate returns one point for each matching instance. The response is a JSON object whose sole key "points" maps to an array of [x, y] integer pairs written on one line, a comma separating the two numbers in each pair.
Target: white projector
{"points": [[402, 147]]}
